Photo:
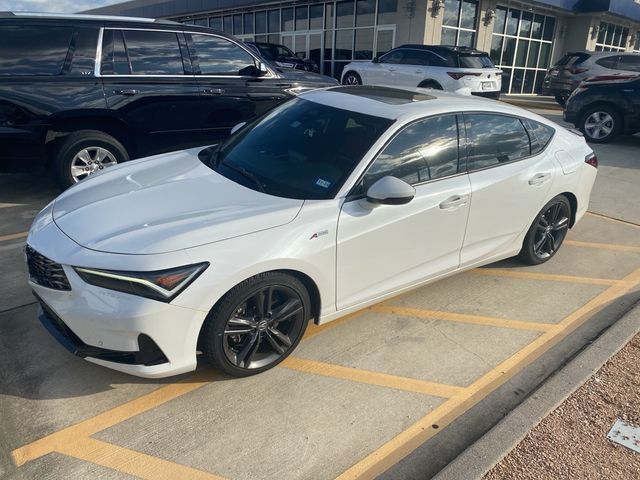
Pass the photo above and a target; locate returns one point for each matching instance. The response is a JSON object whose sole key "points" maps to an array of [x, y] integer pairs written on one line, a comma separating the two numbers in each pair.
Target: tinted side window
{"points": [[608, 62], [425, 150], [629, 62], [540, 134], [153, 53], [494, 139], [418, 57], [84, 51], [114, 56], [397, 56], [219, 56], [31, 50]]}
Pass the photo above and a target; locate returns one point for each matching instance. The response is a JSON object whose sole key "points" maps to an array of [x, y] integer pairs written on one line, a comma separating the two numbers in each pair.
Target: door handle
{"points": [[454, 201], [213, 91], [539, 178], [129, 92]]}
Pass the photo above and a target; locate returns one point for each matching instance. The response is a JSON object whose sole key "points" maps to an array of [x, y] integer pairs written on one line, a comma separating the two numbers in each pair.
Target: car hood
{"points": [[165, 203]]}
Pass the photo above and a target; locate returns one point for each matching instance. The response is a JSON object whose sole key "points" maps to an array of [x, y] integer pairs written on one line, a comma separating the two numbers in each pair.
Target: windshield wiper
{"points": [[245, 173]]}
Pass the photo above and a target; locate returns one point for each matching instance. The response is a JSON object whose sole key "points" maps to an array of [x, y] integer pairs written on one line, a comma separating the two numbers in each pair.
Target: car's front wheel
{"points": [[601, 124], [352, 78], [546, 234], [84, 152], [257, 324]]}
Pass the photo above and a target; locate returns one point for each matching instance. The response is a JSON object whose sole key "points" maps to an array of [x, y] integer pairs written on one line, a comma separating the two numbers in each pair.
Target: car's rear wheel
{"points": [[546, 234], [601, 124], [352, 78], [257, 324], [83, 153]]}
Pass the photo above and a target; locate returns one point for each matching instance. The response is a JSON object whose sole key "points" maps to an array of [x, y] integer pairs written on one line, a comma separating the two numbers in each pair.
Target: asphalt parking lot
{"points": [[396, 390]]}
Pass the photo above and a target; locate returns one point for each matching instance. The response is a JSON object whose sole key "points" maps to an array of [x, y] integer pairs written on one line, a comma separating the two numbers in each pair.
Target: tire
{"points": [[561, 100], [601, 124], [547, 232], [351, 78], [71, 165], [430, 84], [262, 341]]}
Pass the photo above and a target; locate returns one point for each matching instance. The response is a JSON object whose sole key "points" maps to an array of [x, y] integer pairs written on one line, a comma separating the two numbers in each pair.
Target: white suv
{"points": [[454, 69]]}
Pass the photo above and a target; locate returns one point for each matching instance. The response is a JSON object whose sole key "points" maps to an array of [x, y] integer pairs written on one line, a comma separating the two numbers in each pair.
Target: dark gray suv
{"points": [[565, 76]]}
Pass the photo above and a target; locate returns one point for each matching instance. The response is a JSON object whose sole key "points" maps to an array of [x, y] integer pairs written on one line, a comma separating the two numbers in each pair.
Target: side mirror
{"points": [[375, 60], [390, 191], [237, 127], [262, 69]]}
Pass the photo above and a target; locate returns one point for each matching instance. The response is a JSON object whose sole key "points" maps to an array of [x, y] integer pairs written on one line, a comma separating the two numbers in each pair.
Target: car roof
{"points": [[441, 48], [407, 103], [79, 16]]}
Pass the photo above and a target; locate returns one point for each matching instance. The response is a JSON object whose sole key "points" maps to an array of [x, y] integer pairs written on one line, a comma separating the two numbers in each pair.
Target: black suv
{"points": [[604, 107], [81, 92], [283, 56]]}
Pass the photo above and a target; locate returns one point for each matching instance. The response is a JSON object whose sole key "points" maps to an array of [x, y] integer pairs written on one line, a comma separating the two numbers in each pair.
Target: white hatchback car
{"points": [[333, 201], [453, 69]]}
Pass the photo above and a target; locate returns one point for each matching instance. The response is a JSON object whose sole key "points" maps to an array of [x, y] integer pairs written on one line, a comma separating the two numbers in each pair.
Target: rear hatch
{"points": [[564, 71], [477, 66]]}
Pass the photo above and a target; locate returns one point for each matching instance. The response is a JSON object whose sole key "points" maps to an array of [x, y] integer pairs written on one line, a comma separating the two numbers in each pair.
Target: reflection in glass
{"points": [[344, 14], [387, 12], [219, 56], [365, 12], [495, 139], [153, 53], [364, 44], [468, 14]]}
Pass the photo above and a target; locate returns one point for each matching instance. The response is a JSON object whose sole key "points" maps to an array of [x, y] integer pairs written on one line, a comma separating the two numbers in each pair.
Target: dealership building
{"points": [[523, 37]]}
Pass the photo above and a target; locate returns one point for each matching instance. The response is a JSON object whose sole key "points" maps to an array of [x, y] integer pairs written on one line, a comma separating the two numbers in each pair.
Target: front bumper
{"points": [[124, 332]]}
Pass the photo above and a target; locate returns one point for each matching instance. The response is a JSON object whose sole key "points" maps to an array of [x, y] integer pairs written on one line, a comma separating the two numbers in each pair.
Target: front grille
{"points": [[46, 272]]}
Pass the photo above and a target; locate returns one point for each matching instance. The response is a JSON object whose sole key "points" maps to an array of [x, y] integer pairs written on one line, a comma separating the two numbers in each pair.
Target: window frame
{"points": [[521, 119], [462, 167]]}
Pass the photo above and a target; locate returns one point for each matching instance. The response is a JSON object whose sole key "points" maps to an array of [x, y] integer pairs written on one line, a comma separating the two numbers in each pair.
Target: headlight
{"points": [[162, 285]]}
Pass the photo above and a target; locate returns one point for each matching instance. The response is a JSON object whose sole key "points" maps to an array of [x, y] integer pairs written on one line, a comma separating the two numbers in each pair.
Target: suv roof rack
{"points": [[82, 16]]}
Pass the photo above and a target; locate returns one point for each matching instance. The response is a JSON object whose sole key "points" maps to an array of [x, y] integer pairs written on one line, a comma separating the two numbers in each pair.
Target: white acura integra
{"points": [[333, 201]]}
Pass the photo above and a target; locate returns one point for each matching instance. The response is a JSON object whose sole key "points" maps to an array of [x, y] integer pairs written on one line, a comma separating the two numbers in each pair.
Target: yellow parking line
{"points": [[13, 236], [371, 378], [313, 329], [603, 246], [462, 318], [615, 220], [403, 444], [543, 276], [68, 436], [131, 462]]}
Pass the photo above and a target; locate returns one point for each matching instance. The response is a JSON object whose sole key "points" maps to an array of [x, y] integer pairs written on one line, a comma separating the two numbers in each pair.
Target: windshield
{"points": [[275, 51], [476, 61], [301, 150]]}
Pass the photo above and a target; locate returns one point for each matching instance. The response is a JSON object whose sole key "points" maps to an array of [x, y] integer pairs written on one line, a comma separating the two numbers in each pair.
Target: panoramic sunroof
{"points": [[391, 96]]}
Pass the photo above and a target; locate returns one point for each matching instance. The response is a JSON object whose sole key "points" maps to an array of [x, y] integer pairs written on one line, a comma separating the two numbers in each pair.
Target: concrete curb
{"points": [[489, 450]]}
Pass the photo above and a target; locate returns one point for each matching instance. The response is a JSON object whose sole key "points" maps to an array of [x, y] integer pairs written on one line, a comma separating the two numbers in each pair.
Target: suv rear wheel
{"points": [[83, 153], [352, 78]]}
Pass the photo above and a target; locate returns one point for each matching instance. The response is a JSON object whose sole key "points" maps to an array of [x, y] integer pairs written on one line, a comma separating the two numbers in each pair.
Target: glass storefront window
{"points": [[237, 24], [364, 44], [365, 13], [287, 20], [215, 23], [203, 22], [344, 14], [227, 24], [248, 23], [344, 45], [261, 22], [315, 17], [459, 23], [387, 11], [612, 38], [302, 18], [328, 19], [274, 21]]}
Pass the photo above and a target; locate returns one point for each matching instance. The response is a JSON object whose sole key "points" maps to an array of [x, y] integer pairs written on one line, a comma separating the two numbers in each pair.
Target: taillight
{"points": [[592, 160], [459, 75], [576, 70]]}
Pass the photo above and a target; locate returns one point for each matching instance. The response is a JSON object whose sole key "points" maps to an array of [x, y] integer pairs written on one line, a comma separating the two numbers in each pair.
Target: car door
{"points": [[385, 248], [231, 90], [148, 84], [413, 70], [384, 71], [509, 185]]}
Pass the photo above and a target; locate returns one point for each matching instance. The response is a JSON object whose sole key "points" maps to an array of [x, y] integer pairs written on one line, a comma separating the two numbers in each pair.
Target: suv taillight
{"points": [[459, 75], [576, 70], [592, 160]]}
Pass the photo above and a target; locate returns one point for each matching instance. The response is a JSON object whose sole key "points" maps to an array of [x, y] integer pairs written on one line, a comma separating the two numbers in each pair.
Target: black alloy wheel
{"points": [[547, 233], [257, 324]]}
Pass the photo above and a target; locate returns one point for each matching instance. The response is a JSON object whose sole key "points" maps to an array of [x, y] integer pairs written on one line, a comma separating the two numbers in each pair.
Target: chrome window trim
{"points": [[96, 70]]}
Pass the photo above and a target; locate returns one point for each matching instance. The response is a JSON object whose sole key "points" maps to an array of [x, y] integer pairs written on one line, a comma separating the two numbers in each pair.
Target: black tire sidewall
{"points": [[215, 323], [617, 119], [527, 254], [70, 145]]}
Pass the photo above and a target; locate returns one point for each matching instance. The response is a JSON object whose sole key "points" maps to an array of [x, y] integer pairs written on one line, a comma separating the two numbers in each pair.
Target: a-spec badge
{"points": [[319, 234]]}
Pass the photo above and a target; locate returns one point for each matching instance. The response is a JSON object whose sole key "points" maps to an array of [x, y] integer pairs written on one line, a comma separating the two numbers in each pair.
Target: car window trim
{"points": [[518, 117], [350, 196]]}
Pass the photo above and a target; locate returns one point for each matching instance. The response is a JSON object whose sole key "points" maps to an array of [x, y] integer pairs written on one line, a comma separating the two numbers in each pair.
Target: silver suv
{"points": [[565, 76]]}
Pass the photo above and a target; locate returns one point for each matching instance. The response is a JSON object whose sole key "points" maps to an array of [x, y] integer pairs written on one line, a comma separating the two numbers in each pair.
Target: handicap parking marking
{"points": [[406, 442]]}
